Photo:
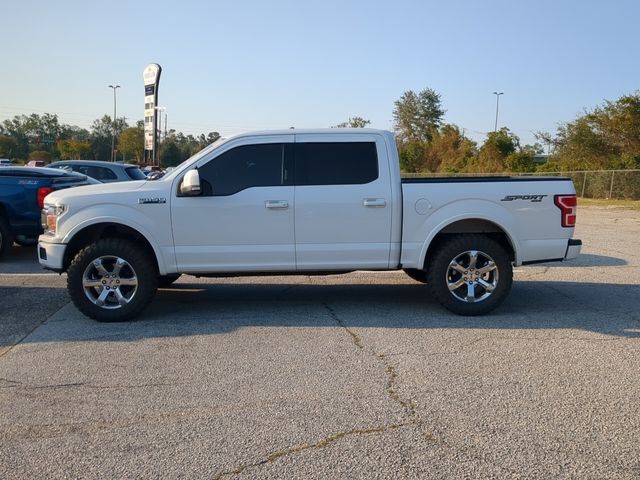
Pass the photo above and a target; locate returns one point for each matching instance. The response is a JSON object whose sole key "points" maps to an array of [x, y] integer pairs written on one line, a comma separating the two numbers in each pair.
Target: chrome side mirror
{"points": [[190, 185]]}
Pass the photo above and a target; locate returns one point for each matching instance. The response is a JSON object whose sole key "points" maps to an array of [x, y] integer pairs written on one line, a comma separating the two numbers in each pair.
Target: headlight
{"points": [[50, 215]]}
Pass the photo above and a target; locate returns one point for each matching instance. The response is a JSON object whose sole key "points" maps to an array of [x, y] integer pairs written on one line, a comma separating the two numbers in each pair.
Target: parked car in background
{"points": [[153, 172], [105, 172], [22, 192], [36, 163], [5, 162]]}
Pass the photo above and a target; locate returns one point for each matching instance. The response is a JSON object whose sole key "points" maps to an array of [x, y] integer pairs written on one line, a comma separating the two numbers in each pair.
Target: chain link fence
{"points": [[609, 184]]}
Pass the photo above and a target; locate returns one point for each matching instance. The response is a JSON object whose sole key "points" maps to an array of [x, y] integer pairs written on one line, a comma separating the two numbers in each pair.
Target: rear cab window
{"points": [[335, 163]]}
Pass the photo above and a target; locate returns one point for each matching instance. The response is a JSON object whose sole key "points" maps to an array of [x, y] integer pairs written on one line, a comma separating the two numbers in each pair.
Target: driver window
{"points": [[243, 167]]}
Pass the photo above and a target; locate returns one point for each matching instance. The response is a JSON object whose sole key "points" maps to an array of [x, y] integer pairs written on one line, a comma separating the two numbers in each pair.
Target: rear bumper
{"points": [[573, 249], [51, 255]]}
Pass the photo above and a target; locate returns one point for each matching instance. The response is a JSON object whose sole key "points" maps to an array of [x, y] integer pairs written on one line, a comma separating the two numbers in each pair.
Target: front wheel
{"points": [[470, 274], [112, 280]]}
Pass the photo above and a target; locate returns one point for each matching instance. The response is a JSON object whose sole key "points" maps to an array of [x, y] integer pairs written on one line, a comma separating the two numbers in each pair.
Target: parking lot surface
{"points": [[354, 376]]}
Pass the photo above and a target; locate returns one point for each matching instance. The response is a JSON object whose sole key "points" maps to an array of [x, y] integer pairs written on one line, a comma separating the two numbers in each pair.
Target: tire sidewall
{"points": [[140, 261], [437, 271]]}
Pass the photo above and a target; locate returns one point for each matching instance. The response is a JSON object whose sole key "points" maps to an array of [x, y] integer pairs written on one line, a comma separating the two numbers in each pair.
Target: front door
{"points": [[243, 219]]}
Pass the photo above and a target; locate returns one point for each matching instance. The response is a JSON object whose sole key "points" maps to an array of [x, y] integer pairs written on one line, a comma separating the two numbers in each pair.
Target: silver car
{"points": [[103, 171]]}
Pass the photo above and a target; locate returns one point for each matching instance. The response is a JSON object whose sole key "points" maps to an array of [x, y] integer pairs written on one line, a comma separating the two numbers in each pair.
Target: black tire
{"points": [[165, 281], [417, 275], [6, 238], [26, 241], [483, 287], [112, 280]]}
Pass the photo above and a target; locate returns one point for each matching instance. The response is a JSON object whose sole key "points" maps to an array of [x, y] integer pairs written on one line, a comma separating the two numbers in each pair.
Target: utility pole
{"points": [[113, 140], [497, 94]]}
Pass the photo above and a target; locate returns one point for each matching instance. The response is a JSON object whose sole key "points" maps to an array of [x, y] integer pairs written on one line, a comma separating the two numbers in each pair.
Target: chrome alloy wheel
{"points": [[110, 282], [472, 276]]}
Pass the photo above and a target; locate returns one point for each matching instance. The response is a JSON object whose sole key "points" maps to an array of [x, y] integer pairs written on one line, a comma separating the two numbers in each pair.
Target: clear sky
{"points": [[243, 65]]}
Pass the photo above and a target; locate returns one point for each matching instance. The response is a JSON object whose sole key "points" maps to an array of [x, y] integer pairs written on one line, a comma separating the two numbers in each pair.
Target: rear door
{"points": [[342, 202]]}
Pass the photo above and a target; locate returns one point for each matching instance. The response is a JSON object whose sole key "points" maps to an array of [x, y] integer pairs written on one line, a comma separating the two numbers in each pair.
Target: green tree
{"points": [[494, 152], [354, 122], [607, 137], [521, 161], [102, 136], [8, 147], [72, 132], [131, 143], [449, 151], [74, 149], [170, 155], [41, 155], [412, 157], [417, 115]]}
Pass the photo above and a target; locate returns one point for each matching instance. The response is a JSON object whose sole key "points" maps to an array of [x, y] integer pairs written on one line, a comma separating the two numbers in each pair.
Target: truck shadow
{"points": [[588, 260], [191, 309]]}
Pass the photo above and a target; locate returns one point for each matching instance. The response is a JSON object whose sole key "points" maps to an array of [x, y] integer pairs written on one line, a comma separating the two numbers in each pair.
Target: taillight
{"points": [[568, 205], [43, 192]]}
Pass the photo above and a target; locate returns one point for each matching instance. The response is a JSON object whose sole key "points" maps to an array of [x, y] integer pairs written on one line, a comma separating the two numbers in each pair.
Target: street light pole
{"points": [[497, 94], [162, 110], [113, 140]]}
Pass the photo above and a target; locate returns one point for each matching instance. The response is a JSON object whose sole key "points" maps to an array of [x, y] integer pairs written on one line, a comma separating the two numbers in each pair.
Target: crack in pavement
{"points": [[390, 389], [392, 374], [16, 384], [272, 457]]}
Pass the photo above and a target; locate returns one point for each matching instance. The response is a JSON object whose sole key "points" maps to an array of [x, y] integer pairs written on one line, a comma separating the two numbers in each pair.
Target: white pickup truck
{"points": [[303, 202]]}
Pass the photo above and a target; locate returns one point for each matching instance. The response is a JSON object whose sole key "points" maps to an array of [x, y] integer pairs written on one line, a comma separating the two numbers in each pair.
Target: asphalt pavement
{"points": [[353, 376]]}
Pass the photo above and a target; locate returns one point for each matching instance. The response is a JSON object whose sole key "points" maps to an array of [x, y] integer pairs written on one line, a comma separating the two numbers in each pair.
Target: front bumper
{"points": [[51, 255], [573, 249]]}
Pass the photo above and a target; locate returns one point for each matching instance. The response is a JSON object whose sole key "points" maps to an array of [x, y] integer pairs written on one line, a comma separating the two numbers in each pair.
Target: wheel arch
{"points": [[108, 229], [475, 225]]}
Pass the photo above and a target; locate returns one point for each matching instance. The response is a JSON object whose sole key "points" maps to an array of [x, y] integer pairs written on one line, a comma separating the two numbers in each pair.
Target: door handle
{"points": [[276, 204], [374, 202]]}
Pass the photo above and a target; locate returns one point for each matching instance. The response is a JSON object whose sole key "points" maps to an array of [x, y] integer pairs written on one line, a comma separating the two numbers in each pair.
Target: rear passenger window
{"points": [[100, 173], [335, 163], [244, 167]]}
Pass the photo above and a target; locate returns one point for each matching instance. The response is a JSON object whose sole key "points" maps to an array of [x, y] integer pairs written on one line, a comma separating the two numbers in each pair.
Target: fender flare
{"points": [[450, 221], [79, 227]]}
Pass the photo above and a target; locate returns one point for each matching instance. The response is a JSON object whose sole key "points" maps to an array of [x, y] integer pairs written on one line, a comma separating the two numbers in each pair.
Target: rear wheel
{"points": [[470, 274], [6, 239], [112, 280]]}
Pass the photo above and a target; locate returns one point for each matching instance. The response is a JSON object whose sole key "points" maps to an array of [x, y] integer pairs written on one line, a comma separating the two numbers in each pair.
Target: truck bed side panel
{"points": [[522, 207]]}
